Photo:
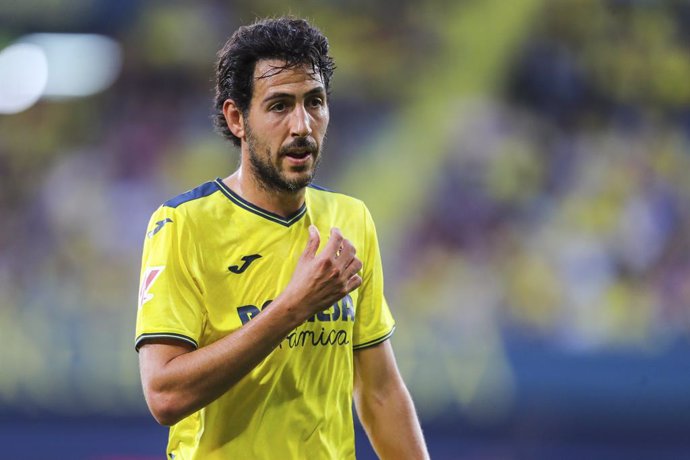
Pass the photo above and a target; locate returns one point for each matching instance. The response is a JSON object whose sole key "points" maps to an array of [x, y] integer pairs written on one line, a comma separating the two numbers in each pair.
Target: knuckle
{"points": [[335, 273], [326, 263]]}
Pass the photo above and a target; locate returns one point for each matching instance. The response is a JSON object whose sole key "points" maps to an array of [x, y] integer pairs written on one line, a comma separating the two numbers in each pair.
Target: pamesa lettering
{"points": [[341, 311]]}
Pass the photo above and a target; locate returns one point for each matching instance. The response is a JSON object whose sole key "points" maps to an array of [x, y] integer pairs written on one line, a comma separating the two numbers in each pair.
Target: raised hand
{"points": [[319, 280]]}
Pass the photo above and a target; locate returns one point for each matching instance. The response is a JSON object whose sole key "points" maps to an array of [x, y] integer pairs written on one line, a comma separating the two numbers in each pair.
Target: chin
{"points": [[299, 181], [297, 175]]}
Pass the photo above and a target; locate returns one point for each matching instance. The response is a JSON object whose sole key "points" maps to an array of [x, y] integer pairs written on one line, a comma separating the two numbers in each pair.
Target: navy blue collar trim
{"points": [[242, 203]]}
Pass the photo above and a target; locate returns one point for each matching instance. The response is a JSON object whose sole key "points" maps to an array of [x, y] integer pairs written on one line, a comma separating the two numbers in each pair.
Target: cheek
{"points": [[323, 122], [269, 134]]}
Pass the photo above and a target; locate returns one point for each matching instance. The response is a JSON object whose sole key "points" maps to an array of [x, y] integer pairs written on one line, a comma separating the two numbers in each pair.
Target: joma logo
{"points": [[247, 262]]}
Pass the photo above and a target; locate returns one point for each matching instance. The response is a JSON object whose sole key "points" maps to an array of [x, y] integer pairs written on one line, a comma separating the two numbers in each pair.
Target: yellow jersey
{"points": [[211, 262]]}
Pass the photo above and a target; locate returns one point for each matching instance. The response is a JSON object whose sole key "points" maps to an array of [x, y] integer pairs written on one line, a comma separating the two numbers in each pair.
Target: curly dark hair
{"points": [[292, 40]]}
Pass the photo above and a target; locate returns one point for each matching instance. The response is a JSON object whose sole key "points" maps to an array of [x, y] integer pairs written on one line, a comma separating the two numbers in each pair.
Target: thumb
{"points": [[313, 243]]}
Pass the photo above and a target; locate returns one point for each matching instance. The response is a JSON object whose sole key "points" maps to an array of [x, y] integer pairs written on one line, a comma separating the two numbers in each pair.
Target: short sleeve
{"points": [[373, 320], [170, 296]]}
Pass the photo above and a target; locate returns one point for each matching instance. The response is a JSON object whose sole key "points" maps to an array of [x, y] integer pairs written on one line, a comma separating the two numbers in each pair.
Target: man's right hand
{"points": [[320, 280]]}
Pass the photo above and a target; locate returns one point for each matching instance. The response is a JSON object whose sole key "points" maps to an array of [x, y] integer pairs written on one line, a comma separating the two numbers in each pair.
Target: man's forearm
{"points": [[385, 407], [187, 381], [391, 423]]}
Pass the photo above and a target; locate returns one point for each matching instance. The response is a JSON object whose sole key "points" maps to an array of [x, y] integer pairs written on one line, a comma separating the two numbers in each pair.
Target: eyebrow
{"points": [[319, 90]]}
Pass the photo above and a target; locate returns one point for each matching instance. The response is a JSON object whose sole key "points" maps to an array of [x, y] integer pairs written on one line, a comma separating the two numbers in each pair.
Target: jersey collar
{"points": [[242, 203]]}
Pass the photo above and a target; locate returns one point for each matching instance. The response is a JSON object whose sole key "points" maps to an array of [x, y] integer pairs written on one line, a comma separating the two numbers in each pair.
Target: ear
{"points": [[234, 118]]}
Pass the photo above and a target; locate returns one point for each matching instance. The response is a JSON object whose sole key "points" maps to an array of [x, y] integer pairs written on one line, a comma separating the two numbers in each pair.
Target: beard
{"points": [[269, 176]]}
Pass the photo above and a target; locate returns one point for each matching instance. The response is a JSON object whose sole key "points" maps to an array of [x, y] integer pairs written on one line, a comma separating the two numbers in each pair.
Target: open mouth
{"points": [[298, 155]]}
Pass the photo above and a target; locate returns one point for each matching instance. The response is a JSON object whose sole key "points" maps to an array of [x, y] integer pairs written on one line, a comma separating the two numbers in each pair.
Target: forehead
{"points": [[271, 76]]}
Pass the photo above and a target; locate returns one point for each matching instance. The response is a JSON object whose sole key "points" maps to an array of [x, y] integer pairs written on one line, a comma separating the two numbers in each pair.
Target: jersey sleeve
{"points": [[170, 295], [373, 320]]}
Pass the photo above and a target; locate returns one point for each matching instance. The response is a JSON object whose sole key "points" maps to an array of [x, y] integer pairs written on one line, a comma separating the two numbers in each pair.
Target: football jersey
{"points": [[212, 261]]}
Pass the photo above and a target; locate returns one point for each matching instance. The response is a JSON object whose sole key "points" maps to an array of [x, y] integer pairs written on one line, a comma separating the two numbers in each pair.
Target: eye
{"points": [[278, 107], [316, 102]]}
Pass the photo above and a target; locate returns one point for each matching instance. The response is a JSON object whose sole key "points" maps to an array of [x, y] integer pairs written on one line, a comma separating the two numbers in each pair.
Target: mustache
{"points": [[300, 144]]}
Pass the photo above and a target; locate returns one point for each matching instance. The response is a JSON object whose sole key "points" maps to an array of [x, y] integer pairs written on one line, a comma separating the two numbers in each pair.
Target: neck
{"points": [[284, 204]]}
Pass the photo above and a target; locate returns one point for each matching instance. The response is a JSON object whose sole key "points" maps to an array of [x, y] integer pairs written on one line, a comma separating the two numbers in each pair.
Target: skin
{"points": [[287, 119], [286, 108]]}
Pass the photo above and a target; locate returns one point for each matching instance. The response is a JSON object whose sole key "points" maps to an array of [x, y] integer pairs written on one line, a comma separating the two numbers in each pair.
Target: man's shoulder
{"points": [[330, 197], [186, 210], [202, 191]]}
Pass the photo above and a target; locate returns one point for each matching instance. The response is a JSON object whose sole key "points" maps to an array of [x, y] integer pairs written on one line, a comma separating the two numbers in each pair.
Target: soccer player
{"points": [[261, 309]]}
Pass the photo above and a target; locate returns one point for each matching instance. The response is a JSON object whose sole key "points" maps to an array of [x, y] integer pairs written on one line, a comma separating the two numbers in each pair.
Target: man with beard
{"points": [[254, 336]]}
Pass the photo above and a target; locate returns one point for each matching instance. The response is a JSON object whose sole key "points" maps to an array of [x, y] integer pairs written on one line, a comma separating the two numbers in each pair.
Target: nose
{"points": [[300, 123]]}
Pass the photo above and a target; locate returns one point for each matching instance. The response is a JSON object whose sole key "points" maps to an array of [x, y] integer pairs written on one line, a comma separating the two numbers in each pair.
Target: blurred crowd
{"points": [[571, 190], [559, 213]]}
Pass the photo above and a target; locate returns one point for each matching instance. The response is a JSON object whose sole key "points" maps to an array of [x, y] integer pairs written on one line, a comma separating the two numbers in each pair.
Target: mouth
{"points": [[301, 156], [298, 154]]}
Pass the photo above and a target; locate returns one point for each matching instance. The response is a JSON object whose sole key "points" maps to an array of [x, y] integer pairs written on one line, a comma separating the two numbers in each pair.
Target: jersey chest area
{"points": [[240, 277]]}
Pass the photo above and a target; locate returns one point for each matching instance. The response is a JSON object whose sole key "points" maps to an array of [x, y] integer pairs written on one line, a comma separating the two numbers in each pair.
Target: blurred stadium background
{"points": [[526, 162]]}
